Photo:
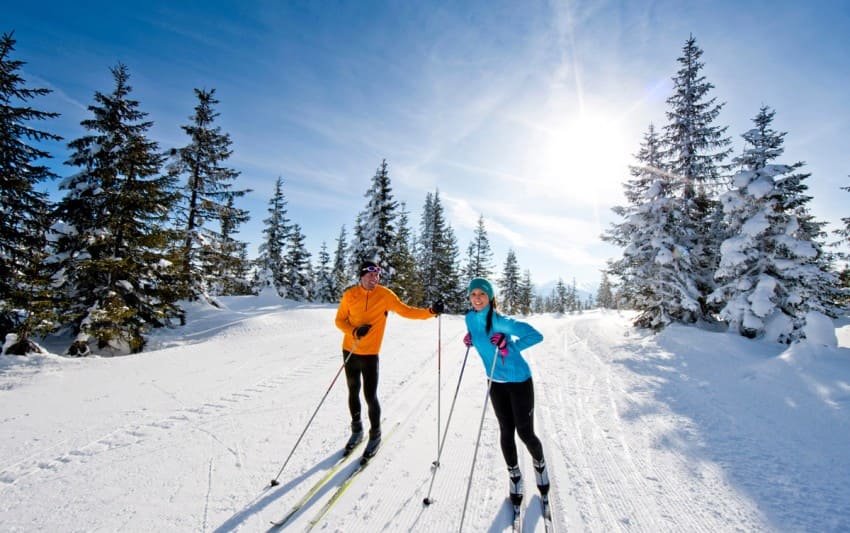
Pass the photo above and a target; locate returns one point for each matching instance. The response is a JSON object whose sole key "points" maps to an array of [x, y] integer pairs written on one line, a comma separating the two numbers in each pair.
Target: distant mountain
{"points": [[584, 290]]}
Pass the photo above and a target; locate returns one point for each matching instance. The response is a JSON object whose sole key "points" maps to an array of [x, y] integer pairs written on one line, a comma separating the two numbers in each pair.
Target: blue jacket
{"points": [[513, 367]]}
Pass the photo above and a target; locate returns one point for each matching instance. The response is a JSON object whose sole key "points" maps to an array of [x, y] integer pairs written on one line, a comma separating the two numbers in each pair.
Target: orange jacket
{"points": [[359, 307]]}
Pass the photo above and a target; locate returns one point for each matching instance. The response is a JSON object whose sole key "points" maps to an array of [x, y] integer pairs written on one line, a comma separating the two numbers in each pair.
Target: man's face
{"points": [[370, 280]]}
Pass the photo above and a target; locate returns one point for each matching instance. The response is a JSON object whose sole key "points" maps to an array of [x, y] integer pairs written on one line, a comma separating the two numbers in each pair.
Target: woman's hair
{"points": [[490, 314]]}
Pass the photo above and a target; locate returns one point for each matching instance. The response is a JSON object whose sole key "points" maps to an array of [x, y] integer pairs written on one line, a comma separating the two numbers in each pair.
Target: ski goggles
{"points": [[366, 270]]}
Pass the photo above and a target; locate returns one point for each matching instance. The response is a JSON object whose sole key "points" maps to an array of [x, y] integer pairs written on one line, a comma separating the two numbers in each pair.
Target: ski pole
{"points": [[274, 481], [439, 380], [428, 500], [478, 439]]}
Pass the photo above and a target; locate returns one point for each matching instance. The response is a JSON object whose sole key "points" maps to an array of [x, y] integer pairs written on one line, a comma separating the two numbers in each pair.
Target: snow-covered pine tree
{"points": [[405, 282], [206, 199], [276, 232], [114, 275], [509, 285], [297, 269], [26, 307], [655, 271], [558, 300], [228, 263], [769, 275], [375, 227], [694, 152], [526, 294], [844, 275], [323, 286], [479, 255], [437, 253], [605, 293], [343, 276]]}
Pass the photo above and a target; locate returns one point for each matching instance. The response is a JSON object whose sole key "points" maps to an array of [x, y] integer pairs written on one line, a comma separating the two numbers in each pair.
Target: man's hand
{"points": [[437, 307], [360, 331]]}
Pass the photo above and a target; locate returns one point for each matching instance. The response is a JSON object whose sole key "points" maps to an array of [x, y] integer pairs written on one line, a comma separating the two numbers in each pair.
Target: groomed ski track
{"points": [[618, 456], [585, 415]]}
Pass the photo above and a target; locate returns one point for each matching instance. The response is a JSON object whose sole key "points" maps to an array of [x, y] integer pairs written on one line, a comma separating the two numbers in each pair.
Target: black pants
{"points": [[366, 366], [514, 407]]}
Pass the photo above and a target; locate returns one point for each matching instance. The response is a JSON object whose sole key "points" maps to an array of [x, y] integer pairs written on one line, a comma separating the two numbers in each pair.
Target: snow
{"points": [[686, 430]]}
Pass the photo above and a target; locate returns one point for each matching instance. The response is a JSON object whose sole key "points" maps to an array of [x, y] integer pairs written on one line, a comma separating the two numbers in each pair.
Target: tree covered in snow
{"points": [[207, 208], [323, 282], [227, 264], [770, 274], [405, 281], [694, 151], [655, 271], [375, 227], [509, 284], [479, 254], [115, 278], [525, 294], [437, 257], [297, 268], [276, 230], [25, 301], [342, 274], [605, 293]]}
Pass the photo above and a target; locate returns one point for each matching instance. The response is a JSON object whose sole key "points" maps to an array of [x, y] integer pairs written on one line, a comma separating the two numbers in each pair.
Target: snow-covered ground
{"points": [[683, 431]]}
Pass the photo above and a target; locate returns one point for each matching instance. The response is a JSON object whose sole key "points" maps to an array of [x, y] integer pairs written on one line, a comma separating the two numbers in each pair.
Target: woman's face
{"points": [[478, 299]]}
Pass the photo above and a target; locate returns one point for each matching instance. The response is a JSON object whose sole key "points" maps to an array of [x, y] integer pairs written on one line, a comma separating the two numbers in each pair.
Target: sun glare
{"points": [[585, 157]]}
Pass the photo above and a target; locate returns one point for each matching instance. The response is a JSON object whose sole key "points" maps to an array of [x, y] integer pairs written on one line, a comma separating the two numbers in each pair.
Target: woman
{"points": [[511, 388]]}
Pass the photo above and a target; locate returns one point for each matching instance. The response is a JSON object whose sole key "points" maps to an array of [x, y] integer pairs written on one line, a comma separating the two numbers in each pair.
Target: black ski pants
{"points": [[514, 407], [365, 366]]}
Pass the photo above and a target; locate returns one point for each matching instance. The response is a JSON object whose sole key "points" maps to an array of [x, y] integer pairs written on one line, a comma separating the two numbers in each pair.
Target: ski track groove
{"points": [[134, 433]]}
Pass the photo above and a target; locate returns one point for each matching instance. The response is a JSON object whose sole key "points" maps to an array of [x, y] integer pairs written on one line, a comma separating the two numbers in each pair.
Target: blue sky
{"points": [[527, 113]]}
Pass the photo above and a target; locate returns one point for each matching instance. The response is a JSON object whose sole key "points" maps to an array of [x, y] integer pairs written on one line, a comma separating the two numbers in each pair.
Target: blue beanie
{"points": [[480, 283]]}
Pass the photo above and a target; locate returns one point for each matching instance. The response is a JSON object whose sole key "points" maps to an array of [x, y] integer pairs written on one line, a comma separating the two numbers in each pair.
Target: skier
{"points": [[362, 317], [511, 388]]}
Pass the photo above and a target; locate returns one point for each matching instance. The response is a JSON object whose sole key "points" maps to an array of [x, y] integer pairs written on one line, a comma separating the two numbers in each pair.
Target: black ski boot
{"points": [[515, 485], [542, 476], [373, 445], [355, 439]]}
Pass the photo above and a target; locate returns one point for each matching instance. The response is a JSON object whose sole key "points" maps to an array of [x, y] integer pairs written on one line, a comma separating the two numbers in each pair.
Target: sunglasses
{"points": [[370, 269]]}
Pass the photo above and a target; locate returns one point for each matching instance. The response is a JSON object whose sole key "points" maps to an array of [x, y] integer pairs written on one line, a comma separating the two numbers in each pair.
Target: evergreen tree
{"points": [[695, 151], [276, 232], [438, 257], [844, 233], [341, 273], [375, 229], [297, 270], [113, 271], [769, 272], [558, 302], [479, 255], [227, 264], [25, 304], [525, 298], [323, 288], [509, 285], [406, 279], [605, 294], [655, 271], [207, 199]]}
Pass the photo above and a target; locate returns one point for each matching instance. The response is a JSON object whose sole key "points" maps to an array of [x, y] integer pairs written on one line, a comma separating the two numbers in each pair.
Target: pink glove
{"points": [[467, 339], [500, 341]]}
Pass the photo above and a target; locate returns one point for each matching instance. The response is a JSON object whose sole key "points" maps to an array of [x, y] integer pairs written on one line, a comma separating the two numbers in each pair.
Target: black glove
{"points": [[437, 307], [361, 331]]}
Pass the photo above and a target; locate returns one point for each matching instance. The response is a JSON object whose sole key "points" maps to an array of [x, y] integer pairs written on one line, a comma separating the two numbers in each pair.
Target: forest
{"points": [[709, 236]]}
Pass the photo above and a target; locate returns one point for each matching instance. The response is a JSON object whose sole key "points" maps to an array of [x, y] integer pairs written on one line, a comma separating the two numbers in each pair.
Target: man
{"points": [[362, 317]]}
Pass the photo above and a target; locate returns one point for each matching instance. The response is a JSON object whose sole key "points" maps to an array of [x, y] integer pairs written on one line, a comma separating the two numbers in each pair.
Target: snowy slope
{"points": [[683, 431]]}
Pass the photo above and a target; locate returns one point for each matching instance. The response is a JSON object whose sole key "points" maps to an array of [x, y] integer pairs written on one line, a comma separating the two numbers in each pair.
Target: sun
{"points": [[583, 156]]}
